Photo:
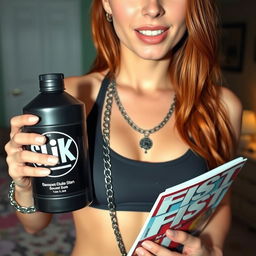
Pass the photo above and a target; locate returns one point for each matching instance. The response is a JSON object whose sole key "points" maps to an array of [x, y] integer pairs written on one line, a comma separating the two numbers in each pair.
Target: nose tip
{"points": [[153, 8]]}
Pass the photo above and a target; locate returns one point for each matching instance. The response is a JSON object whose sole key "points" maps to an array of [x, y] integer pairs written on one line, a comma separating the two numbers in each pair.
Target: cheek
{"points": [[178, 11], [123, 17], [123, 12]]}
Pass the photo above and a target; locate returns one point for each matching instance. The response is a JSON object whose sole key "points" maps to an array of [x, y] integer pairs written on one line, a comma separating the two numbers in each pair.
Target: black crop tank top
{"points": [[136, 184]]}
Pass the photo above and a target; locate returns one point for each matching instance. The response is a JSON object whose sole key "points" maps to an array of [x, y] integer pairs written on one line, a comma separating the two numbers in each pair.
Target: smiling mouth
{"points": [[151, 32]]}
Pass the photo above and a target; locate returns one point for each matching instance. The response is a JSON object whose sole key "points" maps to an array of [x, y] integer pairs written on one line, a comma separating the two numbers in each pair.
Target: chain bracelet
{"points": [[13, 202], [107, 169]]}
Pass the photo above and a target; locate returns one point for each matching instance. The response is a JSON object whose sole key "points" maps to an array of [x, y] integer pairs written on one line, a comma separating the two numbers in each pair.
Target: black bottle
{"points": [[62, 121]]}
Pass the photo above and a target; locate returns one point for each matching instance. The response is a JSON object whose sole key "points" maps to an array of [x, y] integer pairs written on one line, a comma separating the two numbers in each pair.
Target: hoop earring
{"points": [[109, 17]]}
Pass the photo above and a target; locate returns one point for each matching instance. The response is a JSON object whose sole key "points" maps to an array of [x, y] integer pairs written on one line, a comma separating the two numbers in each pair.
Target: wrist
{"points": [[23, 197], [25, 202], [216, 251]]}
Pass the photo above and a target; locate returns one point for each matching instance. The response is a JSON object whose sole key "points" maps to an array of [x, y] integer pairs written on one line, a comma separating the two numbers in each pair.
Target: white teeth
{"points": [[151, 32]]}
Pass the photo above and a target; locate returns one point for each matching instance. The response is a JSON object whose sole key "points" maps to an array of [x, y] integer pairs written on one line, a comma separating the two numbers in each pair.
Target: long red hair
{"points": [[201, 118]]}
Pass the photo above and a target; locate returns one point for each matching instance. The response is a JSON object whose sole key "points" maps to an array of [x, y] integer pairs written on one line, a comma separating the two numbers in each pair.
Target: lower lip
{"points": [[152, 39]]}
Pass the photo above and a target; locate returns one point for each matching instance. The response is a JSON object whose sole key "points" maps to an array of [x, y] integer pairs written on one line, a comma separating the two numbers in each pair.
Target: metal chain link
{"points": [[107, 168], [22, 209], [132, 124]]}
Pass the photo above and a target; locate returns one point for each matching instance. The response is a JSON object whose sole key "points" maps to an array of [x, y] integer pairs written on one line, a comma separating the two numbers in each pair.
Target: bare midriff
{"points": [[94, 233]]}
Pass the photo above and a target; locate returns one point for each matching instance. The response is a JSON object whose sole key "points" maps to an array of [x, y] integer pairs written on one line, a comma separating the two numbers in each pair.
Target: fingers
{"points": [[190, 242], [21, 139], [17, 157], [21, 173], [28, 171], [17, 138], [150, 248], [18, 168], [26, 156], [18, 122]]}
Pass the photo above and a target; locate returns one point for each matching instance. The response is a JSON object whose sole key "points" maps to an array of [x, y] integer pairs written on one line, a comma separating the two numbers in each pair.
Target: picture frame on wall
{"points": [[232, 46], [255, 49]]}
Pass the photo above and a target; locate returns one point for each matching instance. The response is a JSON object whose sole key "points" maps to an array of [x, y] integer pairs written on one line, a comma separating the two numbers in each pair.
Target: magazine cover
{"points": [[188, 206]]}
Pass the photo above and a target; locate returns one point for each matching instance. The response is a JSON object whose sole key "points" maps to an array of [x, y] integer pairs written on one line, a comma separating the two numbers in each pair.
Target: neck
{"points": [[144, 75]]}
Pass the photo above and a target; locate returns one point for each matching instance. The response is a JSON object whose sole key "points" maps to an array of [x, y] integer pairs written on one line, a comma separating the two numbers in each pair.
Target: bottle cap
{"points": [[52, 82]]}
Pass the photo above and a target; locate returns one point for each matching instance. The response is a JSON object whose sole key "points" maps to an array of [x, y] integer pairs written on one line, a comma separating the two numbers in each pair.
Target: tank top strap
{"points": [[102, 92], [94, 118], [98, 104]]}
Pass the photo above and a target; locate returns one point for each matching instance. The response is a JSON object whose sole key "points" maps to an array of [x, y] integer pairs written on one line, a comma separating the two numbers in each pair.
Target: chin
{"points": [[159, 53], [155, 56]]}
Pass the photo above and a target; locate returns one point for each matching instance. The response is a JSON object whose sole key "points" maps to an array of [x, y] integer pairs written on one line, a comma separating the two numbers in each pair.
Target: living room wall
{"points": [[243, 83], [1, 92], [88, 51]]}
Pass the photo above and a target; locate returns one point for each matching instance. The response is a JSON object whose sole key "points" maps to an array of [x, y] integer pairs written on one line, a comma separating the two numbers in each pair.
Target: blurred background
{"points": [[54, 36]]}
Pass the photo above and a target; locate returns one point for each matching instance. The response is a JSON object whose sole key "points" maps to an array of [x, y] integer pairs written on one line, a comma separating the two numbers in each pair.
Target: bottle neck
{"points": [[51, 82]]}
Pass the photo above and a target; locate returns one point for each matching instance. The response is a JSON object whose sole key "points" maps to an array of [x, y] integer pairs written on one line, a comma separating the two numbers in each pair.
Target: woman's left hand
{"points": [[193, 246]]}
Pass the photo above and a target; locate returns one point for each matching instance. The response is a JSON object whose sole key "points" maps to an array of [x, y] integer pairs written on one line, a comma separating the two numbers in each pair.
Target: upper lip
{"points": [[152, 28]]}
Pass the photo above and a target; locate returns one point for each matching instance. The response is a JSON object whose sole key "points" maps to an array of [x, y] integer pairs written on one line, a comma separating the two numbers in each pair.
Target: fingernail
{"points": [[53, 160], [171, 232], [33, 119], [140, 252], [40, 139], [147, 245], [45, 171]]}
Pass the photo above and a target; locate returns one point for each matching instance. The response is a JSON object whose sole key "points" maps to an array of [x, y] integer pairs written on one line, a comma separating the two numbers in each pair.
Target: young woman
{"points": [[170, 121]]}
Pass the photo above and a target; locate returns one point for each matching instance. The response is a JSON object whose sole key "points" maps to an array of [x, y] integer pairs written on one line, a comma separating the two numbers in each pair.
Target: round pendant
{"points": [[146, 143]]}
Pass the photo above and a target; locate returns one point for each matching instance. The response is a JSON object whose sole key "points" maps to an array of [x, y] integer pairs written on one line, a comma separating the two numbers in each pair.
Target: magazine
{"points": [[188, 206]]}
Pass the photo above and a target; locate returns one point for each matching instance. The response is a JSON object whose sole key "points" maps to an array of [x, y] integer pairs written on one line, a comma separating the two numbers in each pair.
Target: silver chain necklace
{"points": [[107, 168], [111, 91], [146, 143]]}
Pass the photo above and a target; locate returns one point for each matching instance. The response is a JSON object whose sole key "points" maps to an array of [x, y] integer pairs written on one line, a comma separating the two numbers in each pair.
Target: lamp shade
{"points": [[248, 122]]}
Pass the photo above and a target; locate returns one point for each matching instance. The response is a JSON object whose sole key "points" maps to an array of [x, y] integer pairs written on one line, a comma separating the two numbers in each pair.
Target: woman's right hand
{"points": [[17, 156]]}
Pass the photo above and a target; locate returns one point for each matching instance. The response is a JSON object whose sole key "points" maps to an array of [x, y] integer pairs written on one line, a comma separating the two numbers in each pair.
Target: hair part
{"points": [[201, 118]]}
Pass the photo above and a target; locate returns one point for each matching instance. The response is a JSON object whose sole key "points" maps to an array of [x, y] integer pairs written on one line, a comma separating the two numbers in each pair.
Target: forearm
{"points": [[217, 229], [33, 222]]}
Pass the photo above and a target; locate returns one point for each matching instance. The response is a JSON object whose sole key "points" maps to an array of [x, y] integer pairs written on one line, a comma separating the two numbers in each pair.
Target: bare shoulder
{"points": [[85, 88], [233, 107], [75, 84]]}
